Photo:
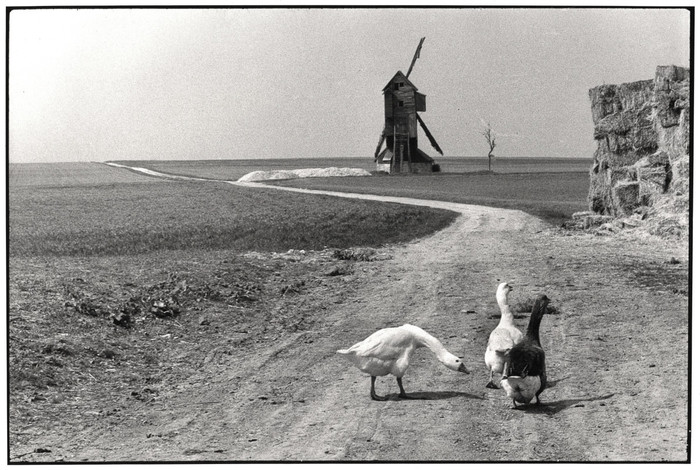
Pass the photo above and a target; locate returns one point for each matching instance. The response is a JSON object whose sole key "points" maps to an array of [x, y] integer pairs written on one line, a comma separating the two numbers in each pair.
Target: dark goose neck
{"points": [[533, 327]]}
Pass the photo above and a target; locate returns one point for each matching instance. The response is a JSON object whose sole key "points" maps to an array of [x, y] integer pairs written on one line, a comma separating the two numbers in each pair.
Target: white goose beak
{"points": [[462, 368]]}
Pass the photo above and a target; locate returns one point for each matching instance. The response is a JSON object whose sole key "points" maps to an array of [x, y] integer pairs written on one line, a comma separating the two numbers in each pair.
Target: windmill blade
{"points": [[415, 56], [379, 145], [432, 140]]}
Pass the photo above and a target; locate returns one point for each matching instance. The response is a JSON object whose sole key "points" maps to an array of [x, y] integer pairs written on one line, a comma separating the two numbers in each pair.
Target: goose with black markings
{"points": [[525, 371], [389, 351]]}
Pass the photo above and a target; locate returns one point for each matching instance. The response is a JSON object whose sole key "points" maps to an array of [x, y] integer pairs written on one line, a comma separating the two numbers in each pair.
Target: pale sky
{"points": [[171, 84]]}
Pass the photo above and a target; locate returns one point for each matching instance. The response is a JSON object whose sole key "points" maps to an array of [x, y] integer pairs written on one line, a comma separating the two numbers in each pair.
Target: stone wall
{"points": [[641, 164]]}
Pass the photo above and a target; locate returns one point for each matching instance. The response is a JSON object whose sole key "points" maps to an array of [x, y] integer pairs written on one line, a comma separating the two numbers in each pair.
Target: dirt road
{"points": [[616, 355]]}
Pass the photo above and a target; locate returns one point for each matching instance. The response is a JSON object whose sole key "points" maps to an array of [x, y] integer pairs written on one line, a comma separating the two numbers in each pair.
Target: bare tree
{"points": [[490, 136]]}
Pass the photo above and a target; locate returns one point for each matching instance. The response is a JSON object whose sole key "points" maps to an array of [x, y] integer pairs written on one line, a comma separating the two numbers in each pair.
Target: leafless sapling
{"points": [[490, 136]]}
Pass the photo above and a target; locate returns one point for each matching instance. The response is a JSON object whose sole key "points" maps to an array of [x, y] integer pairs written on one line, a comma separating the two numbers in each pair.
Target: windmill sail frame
{"points": [[432, 140]]}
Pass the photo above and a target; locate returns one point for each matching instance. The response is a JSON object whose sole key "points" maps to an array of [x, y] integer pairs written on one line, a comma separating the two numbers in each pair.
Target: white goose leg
{"points": [[491, 384], [373, 394], [402, 392]]}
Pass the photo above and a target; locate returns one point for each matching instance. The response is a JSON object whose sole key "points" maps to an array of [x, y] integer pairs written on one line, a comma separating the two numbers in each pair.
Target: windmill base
{"points": [[421, 163]]}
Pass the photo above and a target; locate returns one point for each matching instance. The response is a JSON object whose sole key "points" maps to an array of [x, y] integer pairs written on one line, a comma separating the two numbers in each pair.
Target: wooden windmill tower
{"points": [[402, 103]]}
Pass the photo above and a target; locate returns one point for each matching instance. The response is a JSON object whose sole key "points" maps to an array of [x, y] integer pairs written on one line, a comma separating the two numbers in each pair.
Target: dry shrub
{"points": [[356, 254], [669, 226]]}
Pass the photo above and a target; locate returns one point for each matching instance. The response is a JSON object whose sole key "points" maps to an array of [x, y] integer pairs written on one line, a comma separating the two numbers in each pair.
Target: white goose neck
{"points": [[424, 339], [506, 314]]}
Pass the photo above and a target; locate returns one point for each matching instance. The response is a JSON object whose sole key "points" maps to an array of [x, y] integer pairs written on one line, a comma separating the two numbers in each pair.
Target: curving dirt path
{"points": [[616, 353]]}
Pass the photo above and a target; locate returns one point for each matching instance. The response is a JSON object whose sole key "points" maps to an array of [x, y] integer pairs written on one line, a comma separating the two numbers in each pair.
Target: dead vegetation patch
{"points": [[360, 254], [95, 347]]}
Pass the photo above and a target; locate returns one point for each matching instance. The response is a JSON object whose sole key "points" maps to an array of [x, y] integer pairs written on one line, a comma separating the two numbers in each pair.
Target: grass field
{"points": [[70, 175], [549, 188], [234, 169], [94, 209], [107, 211], [550, 196]]}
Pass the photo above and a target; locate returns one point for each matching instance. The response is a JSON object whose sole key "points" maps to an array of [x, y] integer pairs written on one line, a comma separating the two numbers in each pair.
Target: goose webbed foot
{"points": [[491, 384]]}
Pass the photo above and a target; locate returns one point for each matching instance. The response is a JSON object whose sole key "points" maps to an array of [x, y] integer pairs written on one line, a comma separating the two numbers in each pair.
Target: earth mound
{"points": [[303, 173]]}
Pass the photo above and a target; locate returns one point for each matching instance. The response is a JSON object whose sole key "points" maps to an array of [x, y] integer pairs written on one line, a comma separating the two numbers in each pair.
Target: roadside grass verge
{"points": [[136, 218]]}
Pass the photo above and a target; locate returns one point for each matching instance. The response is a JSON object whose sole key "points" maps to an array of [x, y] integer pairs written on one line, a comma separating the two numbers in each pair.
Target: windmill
{"points": [[402, 103]]}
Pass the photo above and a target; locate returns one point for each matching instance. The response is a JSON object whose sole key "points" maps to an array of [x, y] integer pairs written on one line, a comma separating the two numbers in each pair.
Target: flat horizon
{"points": [[286, 158]]}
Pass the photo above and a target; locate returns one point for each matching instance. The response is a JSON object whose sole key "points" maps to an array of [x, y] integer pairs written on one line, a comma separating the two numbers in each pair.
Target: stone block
{"points": [[621, 174], [614, 123], [652, 182], [675, 141], [636, 95], [596, 220], [609, 99], [639, 138], [658, 158], [657, 175], [582, 215], [671, 95], [603, 101], [666, 74], [625, 197], [681, 168], [599, 194]]}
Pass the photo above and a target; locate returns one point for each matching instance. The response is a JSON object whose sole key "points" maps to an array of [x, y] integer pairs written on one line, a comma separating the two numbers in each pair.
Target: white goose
{"points": [[388, 351], [503, 338]]}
